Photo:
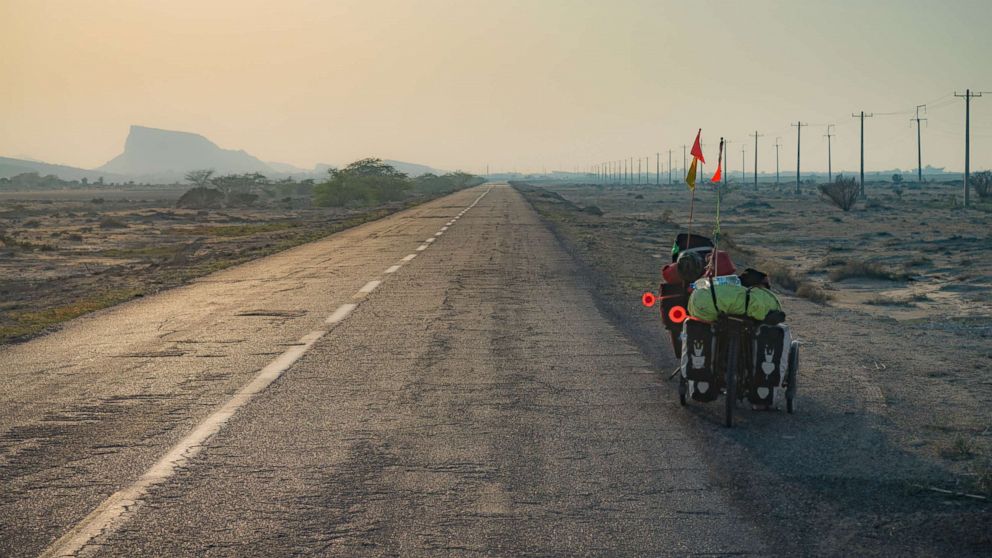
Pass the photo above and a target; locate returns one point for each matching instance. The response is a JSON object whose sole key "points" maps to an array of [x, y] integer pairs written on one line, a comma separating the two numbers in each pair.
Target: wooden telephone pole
{"points": [[799, 133], [756, 136], [830, 174], [968, 96], [919, 143], [862, 117]]}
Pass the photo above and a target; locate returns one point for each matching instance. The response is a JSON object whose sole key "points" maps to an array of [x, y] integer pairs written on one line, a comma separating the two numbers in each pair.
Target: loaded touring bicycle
{"points": [[727, 330]]}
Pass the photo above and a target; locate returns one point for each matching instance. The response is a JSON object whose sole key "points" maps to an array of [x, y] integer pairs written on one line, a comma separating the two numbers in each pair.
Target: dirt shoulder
{"points": [[63, 254], [896, 402]]}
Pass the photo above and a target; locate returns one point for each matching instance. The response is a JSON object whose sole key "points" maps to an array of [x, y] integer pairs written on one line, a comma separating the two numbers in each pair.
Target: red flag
{"points": [[697, 151], [719, 164]]}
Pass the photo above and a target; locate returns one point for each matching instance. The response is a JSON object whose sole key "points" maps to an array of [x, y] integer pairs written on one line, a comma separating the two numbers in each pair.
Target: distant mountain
{"points": [[12, 167], [154, 155], [159, 156]]}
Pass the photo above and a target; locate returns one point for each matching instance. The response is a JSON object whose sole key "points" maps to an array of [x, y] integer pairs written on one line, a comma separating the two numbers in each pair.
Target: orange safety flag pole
{"points": [[719, 166]]}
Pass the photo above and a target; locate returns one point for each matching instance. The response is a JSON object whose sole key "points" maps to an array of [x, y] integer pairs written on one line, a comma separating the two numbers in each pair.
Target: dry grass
{"points": [[813, 293], [842, 192]]}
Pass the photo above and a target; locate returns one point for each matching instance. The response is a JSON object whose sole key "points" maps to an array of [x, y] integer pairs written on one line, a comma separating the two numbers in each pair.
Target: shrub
{"points": [[111, 223], [842, 192], [813, 292], [593, 210], [362, 183], [860, 268], [982, 182], [201, 198]]}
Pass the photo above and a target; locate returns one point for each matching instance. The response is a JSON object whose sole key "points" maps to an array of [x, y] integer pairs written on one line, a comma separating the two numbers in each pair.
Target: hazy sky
{"points": [[519, 85]]}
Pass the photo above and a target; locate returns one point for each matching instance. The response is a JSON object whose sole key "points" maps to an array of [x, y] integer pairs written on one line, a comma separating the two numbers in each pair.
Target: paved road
{"points": [[473, 402]]}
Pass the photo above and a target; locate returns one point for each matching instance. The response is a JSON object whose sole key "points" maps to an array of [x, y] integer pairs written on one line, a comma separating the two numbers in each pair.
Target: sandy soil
{"points": [[896, 395], [65, 253]]}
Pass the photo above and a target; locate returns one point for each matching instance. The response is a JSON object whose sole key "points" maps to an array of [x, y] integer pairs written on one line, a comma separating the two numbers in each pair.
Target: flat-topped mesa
{"points": [[151, 152]]}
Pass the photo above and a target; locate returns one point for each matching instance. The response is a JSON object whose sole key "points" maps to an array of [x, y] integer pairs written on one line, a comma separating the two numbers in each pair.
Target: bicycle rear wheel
{"points": [[730, 377]]}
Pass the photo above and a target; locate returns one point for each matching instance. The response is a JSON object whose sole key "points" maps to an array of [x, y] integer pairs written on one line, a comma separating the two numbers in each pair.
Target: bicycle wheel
{"points": [[790, 390], [733, 354]]}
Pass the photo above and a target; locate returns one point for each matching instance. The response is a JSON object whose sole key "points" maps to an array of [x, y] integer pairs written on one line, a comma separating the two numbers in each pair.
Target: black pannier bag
{"points": [[771, 364], [699, 361]]}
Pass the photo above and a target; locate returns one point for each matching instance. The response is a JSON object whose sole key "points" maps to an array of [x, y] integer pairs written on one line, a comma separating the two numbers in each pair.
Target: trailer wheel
{"points": [[790, 388]]}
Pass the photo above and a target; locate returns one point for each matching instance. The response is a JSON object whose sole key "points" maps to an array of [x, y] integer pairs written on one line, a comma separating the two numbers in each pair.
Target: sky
{"points": [[515, 85]]}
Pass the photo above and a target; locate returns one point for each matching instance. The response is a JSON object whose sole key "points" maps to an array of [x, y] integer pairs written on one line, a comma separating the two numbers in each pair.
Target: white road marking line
{"points": [[450, 223], [429, 240], [409, 257], [341, 313], [444, 228], [369, 287], [392, 269], [422, 247], [438, 233], [119, 506]]}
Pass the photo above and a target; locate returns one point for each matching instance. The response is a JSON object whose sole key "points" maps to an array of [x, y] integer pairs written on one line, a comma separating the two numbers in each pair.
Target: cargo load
{"points": [[705, 303]]}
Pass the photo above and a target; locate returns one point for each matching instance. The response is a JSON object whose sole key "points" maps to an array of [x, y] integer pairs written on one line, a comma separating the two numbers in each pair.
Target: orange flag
{"points": [[719, 165], [697, 151]]}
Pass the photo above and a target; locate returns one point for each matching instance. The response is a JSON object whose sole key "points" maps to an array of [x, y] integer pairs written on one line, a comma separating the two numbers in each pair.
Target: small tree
{"points": [[199, 178], [982, 182], [897, 178], [842, 192], [364, 182]]}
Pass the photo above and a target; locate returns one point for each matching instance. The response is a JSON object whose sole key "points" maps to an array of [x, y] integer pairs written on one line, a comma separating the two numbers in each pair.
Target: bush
{"points": [[982, 182], [842, 192], [362, 183], [432, 184], [860, 268], [812, 292], [201, 198], [111, 223], [593, 210]]}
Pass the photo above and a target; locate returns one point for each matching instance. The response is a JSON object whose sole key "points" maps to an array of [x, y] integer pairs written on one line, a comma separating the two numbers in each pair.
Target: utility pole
{"points": [[756, 136], [777, 145], [919, 143], [830, 173], [669, 167], [799, 133], [685, 167], [862, 116], [743, 170], [968, 96], [726, 160], [657, 169]]}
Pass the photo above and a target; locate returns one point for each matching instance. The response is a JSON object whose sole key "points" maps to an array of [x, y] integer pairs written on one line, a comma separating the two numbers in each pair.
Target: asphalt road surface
{"points": [[438, 382]]}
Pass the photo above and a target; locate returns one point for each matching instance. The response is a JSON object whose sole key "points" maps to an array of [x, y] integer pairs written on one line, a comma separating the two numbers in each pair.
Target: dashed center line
{"points": [[392, 269], [409, 257], [341, 313], [369, 287], [422, 247], [429, 240]]}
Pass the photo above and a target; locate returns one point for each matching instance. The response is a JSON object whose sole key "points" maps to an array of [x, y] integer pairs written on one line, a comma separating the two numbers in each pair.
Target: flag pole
{"points": [[714, 261]]}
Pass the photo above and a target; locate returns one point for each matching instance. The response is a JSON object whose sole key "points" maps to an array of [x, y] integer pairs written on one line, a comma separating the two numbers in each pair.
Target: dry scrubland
{"points": [[893, 301], [65, 253]]}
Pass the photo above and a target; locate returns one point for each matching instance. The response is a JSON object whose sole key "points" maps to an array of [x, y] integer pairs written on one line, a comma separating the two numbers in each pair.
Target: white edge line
{"points": [[117, 508]]}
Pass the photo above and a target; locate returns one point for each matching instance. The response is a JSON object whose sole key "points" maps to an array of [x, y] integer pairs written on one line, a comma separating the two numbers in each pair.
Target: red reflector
{"points": [[648, 299], [677, 314]]}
